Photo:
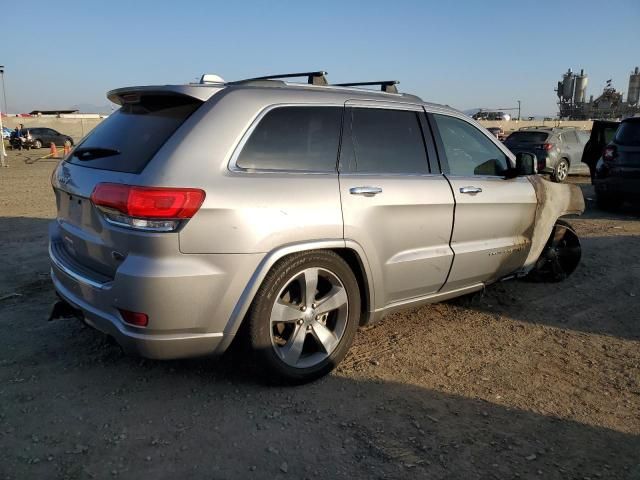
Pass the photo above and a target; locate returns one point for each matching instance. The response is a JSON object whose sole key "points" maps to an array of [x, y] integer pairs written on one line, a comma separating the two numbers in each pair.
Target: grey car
{"points": [[298, 211], [558, 150]]}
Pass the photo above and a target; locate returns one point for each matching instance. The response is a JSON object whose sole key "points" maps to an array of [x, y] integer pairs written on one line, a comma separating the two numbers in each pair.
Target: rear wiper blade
{"points": [[90, 153]]}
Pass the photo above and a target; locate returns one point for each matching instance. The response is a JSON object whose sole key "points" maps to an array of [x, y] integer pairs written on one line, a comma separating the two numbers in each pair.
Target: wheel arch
{"points": [[351, 252], [554, 200]]}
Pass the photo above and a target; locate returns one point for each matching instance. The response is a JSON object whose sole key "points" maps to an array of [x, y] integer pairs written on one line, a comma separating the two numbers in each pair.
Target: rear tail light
{"points": [[146, 208], [135, 318], [547, 147], [609, 153]]}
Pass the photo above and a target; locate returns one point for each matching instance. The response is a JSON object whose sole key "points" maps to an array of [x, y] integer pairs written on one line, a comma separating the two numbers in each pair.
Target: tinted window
{"points": [[527, 137], [569, 137], [628, 134], [609, 133], [294, 138], [136, 132], [468, 150], [583, 137], [383, 141]]}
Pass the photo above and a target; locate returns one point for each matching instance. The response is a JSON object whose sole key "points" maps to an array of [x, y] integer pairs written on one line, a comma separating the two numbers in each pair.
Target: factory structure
{"points": [[573, 103]]}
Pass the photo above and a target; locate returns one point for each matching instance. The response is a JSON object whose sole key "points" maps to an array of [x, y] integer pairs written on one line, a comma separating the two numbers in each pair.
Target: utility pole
{"points": [[4, 91], [3, 152], [518, 110]]}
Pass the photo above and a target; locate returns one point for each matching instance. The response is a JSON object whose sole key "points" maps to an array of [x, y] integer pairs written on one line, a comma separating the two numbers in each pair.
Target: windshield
{"points": [[127, 139], [527, 137], [628, 134]]}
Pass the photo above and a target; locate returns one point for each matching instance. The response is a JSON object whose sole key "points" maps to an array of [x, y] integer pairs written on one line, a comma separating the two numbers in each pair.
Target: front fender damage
{"points": [[554, 201]]}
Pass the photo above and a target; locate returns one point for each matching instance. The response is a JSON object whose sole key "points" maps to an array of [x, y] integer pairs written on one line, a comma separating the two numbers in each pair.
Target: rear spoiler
{"points": [[197, 91]]}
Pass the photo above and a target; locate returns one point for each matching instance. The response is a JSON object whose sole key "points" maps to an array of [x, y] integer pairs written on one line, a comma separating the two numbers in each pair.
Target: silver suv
{"points": [[299, 210]]}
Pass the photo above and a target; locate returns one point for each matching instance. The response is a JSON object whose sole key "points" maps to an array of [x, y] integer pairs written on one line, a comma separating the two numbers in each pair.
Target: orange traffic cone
{"points": [[53, 151], [67, 149]]}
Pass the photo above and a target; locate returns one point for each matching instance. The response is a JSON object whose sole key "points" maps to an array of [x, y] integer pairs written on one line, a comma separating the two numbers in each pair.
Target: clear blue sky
{"points": [[463, 53]]}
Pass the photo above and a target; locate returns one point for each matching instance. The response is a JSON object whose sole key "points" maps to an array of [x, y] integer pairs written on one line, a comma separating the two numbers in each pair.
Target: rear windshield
{"points": [[628, 134], [128, 138], [527, 137]]}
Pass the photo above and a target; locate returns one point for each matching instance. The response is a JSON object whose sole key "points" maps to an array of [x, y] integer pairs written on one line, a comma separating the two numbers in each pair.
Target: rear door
{"points": [[55, 137], [394, 205], [494, 216], [52, 136]]}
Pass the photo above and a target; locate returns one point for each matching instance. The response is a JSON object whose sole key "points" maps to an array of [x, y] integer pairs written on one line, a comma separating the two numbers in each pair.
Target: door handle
{"points": [[366, 191], [470, 190]]}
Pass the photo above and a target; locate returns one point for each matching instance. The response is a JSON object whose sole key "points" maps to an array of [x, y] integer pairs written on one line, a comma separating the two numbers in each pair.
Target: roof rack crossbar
{"points": [[388, 86], [313, 78]]}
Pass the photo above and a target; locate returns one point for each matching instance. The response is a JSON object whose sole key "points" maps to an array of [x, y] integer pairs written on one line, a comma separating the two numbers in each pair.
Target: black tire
{"points": [[37, 144], [560, 256], [561, 171], [606, 201], [261, 328]]}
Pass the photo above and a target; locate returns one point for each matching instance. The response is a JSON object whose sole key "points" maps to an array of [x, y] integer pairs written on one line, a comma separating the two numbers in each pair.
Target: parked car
{"points": [[602, 132], [558, 150], [43, 137], [300, 211], [497, 132], [617, 174]]}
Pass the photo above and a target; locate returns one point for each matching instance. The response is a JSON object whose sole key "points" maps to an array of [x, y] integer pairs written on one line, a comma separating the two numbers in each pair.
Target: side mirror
{"points": [[526, 164]]}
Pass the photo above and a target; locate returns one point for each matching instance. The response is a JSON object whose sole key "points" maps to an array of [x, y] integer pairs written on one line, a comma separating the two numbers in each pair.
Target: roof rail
{"points": [[388, 86], [313, 78]]}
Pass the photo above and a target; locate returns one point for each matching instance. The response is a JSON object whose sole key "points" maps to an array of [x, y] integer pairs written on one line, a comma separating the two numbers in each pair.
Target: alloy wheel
{"points": [[309, 317]]}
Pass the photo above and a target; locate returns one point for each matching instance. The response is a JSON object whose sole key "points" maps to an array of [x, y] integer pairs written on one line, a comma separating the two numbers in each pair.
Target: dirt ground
{"points": [[525, 381]]}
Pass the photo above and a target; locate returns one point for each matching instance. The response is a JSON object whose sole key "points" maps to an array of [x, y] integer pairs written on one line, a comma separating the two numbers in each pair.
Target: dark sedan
{"points": [[43, 137]]}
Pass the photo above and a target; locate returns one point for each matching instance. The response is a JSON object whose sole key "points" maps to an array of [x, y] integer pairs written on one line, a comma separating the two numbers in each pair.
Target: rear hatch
{"points": [[532, 142], [116, 151], [627, 142]]}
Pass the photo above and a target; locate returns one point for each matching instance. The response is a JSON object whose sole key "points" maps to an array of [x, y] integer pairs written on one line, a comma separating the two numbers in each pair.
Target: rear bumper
{"points": [[189, 300], [154, 345], [150, 345]]}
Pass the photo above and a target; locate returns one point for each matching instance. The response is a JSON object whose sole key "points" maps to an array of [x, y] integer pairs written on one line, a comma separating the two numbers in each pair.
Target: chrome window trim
{"points": [[384, 105], [370, 104], [383, 174], [461, 116], [232, 165], [476, 125]]}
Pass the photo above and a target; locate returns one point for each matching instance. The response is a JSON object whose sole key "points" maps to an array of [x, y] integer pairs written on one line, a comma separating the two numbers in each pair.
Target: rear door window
{"points": [[128, 138], [294, 139], [468, 150], [381, 141]]}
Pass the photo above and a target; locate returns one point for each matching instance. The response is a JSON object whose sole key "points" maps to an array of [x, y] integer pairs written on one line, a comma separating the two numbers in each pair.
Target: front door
{"points": [[393, 205], [494, 216]]}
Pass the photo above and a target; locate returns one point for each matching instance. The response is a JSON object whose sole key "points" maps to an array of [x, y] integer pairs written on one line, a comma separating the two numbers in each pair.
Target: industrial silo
{"points": [[568, 81], [633, 94], [581, 87]]}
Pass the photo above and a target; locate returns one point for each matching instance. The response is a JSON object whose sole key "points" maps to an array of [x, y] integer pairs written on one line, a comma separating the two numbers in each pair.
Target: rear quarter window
{"points": [[295, 138], [628, 134], [135, 132]]}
